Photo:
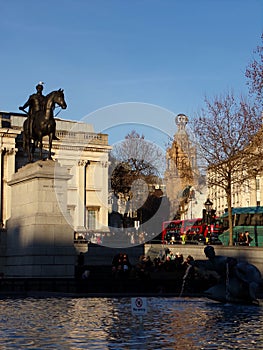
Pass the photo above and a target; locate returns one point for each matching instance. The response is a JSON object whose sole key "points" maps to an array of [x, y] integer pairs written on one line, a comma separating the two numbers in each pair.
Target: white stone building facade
{"points": [[248, 195], [81, 151]]}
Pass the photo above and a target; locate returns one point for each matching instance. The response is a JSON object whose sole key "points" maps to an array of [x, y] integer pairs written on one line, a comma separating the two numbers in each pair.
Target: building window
{"points": [[257, 184], [258, 203], [246, 186], [92, 215], [92, 218], [5, 120]]}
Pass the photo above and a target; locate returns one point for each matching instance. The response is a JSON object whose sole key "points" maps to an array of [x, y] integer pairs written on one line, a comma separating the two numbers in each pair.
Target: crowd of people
{"points": [[126, 237], [169, 271], [166, 261], [132, 237], [192, 237]]}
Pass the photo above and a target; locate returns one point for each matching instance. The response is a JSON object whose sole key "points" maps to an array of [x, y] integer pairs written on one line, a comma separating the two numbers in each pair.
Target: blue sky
{"points": [[164, 53]]}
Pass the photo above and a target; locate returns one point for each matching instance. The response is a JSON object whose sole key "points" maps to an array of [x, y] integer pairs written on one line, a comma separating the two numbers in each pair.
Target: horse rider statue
{"points": [[36, 103], [40, 121]]}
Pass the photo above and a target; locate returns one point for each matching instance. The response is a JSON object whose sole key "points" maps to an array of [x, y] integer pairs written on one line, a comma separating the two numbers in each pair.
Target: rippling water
{"points": [[107, 323]]}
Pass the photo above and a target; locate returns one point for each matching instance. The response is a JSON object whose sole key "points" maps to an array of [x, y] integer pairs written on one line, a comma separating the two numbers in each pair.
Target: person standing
{"points": [[248, 238]]}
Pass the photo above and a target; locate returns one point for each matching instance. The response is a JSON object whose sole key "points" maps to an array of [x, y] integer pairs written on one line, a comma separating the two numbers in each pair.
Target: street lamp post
{"points": [[208, 209], [191, 198], [207, 216]]}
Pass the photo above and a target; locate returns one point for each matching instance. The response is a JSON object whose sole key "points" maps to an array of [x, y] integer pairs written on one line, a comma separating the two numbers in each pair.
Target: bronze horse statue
{"points": [[42, 123]]}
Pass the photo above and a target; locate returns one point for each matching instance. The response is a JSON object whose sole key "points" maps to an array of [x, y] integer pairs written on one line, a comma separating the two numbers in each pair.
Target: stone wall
{"points": [[253, 255]]}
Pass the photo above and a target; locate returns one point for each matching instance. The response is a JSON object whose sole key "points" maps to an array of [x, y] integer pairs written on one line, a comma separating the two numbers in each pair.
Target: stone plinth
{"points": [[40, 241]]}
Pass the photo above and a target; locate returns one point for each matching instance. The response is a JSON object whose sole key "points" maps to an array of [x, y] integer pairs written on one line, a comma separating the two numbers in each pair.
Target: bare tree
{"points": [[226, 131], [140, 158], [136, 165], [121, 177], [254, 73], [143, 156]]}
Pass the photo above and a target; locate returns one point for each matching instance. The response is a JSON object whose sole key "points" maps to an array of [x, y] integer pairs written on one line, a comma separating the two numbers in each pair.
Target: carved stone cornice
{"points": [[104, 164], [83, 162], [9, 151], [76, 148]]}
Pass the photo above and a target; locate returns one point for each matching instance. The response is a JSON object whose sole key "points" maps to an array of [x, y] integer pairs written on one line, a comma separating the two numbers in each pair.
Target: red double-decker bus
{"points": [[176, 231]]}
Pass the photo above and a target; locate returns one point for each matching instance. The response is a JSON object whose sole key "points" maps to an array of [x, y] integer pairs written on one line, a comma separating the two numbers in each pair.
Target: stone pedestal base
{"points": [[40, 242]]}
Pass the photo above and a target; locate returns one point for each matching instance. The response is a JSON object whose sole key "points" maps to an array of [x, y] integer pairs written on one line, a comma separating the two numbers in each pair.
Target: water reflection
{"points": [[107, 323]]}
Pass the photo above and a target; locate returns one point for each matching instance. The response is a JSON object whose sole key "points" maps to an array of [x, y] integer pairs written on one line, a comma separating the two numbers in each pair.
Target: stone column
{"points": [[81, 199], [40, 240], [104, 197], [9, 170]]}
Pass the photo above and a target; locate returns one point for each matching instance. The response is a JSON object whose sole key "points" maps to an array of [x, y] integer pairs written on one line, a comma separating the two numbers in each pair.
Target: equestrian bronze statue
{"points": [[40, 121]]}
